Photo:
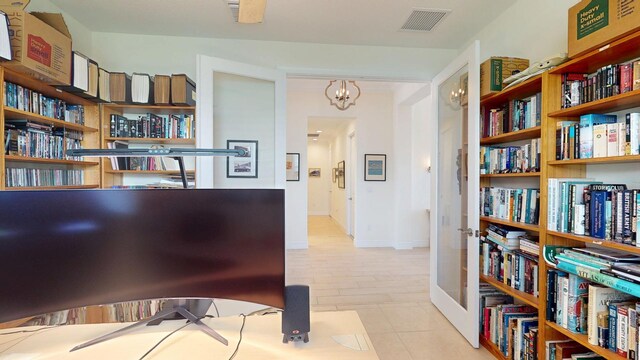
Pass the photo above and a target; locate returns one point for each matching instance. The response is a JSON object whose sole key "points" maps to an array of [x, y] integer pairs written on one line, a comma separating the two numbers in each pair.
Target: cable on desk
{"points": [[235, 352]]}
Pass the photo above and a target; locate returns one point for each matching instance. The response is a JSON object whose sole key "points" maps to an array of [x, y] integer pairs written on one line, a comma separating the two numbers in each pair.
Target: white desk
{"points": [[261, 339]]}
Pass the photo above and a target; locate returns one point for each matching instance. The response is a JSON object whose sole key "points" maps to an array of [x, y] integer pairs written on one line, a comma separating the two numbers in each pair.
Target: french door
{"points": [[454, 258]]}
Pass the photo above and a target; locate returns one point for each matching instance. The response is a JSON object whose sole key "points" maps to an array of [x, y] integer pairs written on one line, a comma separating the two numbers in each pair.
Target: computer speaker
{"points": [[295, 317]]}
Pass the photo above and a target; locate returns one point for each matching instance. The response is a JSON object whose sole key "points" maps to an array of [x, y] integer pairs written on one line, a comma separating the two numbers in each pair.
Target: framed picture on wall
{"points": [[314, 172], [245, 166], [375, 167], [293, 166], [341, 174]]}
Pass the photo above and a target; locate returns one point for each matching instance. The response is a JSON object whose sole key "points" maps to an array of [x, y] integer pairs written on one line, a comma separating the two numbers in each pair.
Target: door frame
{"points": [[205, 67], [465, 320], [352, 184]]}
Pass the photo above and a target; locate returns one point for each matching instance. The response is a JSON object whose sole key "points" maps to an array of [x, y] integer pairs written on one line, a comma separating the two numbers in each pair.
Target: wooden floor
{"points": [[388, 288]]}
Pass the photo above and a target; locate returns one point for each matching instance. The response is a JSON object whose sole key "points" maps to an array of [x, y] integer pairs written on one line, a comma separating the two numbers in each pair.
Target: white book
{"points": [[552, 205], [612, 139], [635, 133], [622, 139], [600, 140], [622, 329], [578, 219]]}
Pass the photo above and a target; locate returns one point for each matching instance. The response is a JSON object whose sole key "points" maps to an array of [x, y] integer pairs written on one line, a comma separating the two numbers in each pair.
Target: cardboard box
{"points": [[495, 69], [594, 23], [40, 43]]}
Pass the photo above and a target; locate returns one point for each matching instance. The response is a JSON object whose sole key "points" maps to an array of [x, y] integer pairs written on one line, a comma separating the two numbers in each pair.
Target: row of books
{"points": [[610, 80], [19, 177], [568, 349], [28, 139], [512, 328], [513, 267], [591, 208], [517, 205], [597, 135], [21, 98], [91, 81], [601, 302], [512, 116], [510, 159], [120, 312], [173, 126]]}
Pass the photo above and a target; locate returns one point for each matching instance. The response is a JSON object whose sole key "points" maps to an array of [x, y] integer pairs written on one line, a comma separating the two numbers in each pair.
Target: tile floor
{"points": [[388, 288]]}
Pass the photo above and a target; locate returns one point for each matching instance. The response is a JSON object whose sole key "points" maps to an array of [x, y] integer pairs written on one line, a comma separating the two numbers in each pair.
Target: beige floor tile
{"points": [[414, 318], [441, 344], [323, 307], [374, 321], [354, 299], [389, 346]]}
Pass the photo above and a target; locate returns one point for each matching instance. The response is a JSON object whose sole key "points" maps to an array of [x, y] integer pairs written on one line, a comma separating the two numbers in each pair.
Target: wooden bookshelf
{"points": [[520, 295], [610, 104], [510, 175], [61, 187], [526, 88], [15, 158], [90, 131], [15, 114], [526, 134], [492, 348], [149, 172], [117, 177], [152, 140], [602, 160], [582, 339], [514, 224], [595, 241]]}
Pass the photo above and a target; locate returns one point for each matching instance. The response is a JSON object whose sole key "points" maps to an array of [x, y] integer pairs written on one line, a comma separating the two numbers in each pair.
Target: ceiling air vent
{"points": [[424, 19], [313, 135]]}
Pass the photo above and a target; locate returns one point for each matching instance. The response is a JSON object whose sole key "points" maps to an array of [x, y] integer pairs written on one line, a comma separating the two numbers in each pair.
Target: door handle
{"points": [[467, 231]]}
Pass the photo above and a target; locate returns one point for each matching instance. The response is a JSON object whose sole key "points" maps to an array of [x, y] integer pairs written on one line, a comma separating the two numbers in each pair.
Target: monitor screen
{"points": [[65, 249]]}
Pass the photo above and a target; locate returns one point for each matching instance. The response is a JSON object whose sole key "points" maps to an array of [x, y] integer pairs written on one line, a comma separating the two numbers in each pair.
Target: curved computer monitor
{"points": [[67, 249]]}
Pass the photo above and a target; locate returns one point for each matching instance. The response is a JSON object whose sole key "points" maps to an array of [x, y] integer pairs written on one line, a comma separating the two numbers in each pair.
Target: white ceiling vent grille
{"points": [[424, 19]]}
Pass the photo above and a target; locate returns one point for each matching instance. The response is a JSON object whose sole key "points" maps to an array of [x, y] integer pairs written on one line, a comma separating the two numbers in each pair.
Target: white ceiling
{"points": [[350, 22], [330, 127]]}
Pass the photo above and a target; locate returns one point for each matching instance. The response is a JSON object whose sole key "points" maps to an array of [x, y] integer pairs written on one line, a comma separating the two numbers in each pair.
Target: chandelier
{"points": [[343, 96]]}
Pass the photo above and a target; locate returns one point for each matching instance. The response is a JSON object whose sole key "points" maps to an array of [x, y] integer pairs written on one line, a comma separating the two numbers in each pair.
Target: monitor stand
{"points": [[190, 309]]}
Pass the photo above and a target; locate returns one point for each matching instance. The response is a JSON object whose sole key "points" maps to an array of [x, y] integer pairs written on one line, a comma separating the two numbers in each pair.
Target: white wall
{"points": [[528, 29], [412, 154], [319, 191], [339, 153], [167, 54]]}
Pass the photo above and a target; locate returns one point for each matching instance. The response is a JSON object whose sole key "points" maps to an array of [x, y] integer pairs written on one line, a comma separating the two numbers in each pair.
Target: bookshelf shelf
{"points": [[511, 175], [526, 134], [156, 109], [153, 140], [15, 114], [150, 172], [603, 160], [610, 104], [522, 296], [524, 89], [61, 187], [518, 225], [582, 339], [45, 89], [596, 241], [15, 158], [492, 348]]}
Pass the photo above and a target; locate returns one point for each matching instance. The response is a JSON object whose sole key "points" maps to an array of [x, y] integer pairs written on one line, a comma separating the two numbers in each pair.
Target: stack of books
{"points": [[512, 116], [517, 205], [510, 159]]}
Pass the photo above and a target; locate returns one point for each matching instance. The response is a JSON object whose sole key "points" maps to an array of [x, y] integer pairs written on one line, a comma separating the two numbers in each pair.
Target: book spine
{"points": [[622, 328], [613, 331]]}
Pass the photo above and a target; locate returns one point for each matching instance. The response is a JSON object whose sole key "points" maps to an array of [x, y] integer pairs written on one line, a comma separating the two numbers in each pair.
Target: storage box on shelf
{"points": [[511, 169], [145, 126], [578, 166], [37, 130]]}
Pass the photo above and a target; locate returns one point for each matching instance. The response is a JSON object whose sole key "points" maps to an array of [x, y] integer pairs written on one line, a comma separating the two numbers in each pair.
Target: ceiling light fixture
{"points": [[247, 11], [318, 131], [343, 95]]}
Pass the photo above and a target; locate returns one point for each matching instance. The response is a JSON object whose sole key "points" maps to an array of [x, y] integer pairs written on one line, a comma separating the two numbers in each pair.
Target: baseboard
{"points": [[297, 245], [412, 244]]}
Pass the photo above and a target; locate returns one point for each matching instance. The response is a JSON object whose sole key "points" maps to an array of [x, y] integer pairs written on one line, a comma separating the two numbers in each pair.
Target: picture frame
{"points": [[293, 166], [243, 166], [340, 174], [314, 172], [375, 167]]}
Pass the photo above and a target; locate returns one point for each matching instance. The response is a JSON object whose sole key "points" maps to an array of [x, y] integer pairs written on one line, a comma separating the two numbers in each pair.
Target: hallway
{"points": [[388, 288]]}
